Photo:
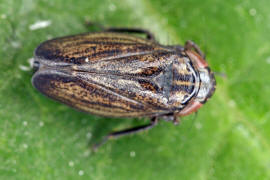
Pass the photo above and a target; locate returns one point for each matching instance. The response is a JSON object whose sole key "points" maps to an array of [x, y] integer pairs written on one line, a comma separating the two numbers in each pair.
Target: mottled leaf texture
{"points": [[227, 139]]}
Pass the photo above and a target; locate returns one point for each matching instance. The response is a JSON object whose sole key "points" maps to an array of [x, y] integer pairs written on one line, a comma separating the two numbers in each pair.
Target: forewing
{"points": [[89, 96], [94, 46], [106, 74]]}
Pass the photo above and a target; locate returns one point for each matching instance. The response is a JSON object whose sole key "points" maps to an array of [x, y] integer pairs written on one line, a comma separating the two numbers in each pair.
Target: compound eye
{"points": [[197, 59]]}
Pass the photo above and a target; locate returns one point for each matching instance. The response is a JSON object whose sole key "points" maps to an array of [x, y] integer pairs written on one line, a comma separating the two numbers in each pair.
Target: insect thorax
{"points": [[185, 82]]}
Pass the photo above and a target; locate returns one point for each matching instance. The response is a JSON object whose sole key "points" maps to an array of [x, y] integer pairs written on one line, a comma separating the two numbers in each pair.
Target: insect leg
{"points": [[191, 45], [148, 34], [175, 119], [124, 132], [94, 26]]}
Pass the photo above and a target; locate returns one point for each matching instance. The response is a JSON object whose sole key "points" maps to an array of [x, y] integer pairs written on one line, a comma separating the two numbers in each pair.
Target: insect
{"points": [[118, 74]]}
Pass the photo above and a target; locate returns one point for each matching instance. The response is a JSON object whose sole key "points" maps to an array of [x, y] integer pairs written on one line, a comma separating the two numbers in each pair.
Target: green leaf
{"points": [[228, 139]]}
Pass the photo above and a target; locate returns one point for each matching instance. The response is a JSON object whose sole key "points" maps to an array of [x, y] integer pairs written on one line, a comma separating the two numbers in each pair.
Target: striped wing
{"points": [[94, 46], [106, 74]]}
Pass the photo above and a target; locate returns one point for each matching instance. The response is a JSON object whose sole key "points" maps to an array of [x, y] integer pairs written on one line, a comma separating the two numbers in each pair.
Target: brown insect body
{"points": [[113, 74], [120, 75]]}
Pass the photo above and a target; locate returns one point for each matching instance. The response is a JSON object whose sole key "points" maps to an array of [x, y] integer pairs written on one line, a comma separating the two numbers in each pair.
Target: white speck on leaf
{"points": [[40, 25], [86, 153], [132, 154], [243, 131], [81, 173], [24, 68], [112, 7], [25, 123], [41, 123], [25, 146], [15, 44], [198, 125], [252, 12], [268, 60], [31, 62], [49, 36], [232, 103], [3, 16], [71, 163], [88, 135]]}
